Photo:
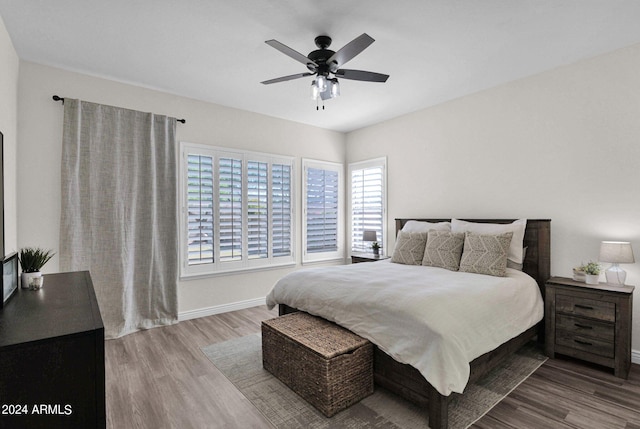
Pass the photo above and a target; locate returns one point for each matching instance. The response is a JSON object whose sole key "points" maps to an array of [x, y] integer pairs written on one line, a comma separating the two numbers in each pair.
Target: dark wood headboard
{"points": [[537, 240]]}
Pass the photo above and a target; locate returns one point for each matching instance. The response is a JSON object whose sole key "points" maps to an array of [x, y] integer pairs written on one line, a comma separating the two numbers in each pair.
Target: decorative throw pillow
{"points": [[443, 250], [517, 227], [486, 254], [409, 248]]}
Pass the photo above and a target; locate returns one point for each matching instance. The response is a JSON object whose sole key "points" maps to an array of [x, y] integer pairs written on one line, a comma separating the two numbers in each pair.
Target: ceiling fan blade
{"points": [[290, 52], [286, 78], [361, 75], [351, 49]]}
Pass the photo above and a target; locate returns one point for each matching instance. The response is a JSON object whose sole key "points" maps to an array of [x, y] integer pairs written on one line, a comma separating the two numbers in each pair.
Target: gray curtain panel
{"points": [[119, 212]]}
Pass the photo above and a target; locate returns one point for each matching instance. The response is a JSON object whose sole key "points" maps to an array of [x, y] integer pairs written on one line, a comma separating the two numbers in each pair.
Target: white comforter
{"points": [[431, 318]]}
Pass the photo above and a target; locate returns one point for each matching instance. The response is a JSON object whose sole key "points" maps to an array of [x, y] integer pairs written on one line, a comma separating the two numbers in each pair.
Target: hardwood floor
{"points": [[566, 393], [161, 379]]}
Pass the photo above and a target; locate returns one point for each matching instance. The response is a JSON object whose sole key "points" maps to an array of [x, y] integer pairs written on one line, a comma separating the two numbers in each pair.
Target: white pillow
{"points": [[419, 226], [517, 241]]}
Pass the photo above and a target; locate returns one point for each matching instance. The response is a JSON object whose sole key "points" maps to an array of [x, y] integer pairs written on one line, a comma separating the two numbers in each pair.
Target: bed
{"points": [[400, 373]]}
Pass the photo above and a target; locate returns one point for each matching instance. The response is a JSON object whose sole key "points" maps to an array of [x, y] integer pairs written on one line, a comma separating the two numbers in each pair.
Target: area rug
{"points": [[240, 360]]}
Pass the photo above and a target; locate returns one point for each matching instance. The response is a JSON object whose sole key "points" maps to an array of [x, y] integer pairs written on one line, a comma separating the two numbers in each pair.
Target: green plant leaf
{"points": [[32, 259]]}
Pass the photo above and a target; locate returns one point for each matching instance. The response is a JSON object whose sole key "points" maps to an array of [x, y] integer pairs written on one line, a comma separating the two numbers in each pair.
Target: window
{"points": [[237, 211], [230, 209], [281, 210], [368, 202], [200, 209], [258, 209], [322, 227]]}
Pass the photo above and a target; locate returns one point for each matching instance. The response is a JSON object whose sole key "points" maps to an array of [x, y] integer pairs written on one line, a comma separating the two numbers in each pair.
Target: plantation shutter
{"points": [[322, 210], [281, 209], [200, 209], [230, 200], [257, 209], [367, 206], [238, 210]]}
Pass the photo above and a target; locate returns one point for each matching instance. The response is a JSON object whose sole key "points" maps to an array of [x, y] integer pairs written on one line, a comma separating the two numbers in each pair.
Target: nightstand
{"points": [[589, 322], [366, 257]]}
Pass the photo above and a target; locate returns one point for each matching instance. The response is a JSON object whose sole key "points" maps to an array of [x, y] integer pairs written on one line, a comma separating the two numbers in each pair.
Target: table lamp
{"points": [[369, 235], [616, 252]]}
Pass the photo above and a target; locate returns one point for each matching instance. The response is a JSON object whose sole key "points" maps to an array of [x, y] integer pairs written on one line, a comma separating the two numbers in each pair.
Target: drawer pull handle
{"points": [[584, 307], [586, 343], [578, 325]]}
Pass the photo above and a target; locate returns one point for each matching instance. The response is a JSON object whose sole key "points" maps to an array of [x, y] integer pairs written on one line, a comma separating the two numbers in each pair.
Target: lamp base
{"points": [[615, 275]]}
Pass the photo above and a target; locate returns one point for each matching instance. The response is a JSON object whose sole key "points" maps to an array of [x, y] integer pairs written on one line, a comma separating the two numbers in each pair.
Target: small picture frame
{"points": [[9, 277]]}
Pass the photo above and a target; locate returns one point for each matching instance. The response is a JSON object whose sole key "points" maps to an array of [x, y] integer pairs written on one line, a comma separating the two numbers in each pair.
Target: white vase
{"points": [[578, 275], [25, 279], [592, 279]]}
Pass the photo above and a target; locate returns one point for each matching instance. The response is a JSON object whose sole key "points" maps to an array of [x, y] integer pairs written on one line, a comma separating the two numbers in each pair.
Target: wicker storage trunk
{"points": [[327, 365]]}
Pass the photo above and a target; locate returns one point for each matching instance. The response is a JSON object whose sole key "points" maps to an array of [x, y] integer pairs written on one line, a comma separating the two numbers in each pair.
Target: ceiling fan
{"points": [[323, 62]]}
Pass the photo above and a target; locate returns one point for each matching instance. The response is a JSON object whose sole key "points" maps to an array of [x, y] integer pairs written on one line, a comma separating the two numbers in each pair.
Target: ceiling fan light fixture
{"points": [[315, 92], [335, 88], [321, 83], [326, 66]]}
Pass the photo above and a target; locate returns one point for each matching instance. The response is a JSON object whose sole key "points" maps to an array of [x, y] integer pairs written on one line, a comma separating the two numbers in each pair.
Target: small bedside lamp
{"points": [[369, 235], [616, 252]]}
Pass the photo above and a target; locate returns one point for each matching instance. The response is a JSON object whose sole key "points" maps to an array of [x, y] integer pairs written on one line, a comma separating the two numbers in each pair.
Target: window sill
{"points": [[187, 277], [324, 261]]}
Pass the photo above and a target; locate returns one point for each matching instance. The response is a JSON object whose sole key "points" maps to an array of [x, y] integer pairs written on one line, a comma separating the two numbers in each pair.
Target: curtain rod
{"points": [[56, 98]]}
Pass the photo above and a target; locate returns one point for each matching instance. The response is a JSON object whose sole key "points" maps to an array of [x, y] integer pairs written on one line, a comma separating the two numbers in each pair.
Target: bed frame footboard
{"points": [[407, 382]]}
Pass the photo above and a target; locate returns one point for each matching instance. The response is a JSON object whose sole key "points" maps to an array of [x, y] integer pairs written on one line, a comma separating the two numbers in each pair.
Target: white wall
{"points": [[563, 145], [9, 67], [40, 129]]}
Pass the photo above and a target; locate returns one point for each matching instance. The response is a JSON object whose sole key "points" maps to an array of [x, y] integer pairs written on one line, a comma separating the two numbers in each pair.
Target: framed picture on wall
{"points": [[9, 277]]}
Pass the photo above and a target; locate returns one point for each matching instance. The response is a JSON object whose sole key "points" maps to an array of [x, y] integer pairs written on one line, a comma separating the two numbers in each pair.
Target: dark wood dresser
{"points": [[589, 322], [52, 356]]}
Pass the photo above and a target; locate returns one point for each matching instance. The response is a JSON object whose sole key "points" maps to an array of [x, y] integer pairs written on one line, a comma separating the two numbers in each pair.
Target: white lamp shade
{"points": [[335, 88], [369, 235], [321, 83], [315, 92], [617, 252]]}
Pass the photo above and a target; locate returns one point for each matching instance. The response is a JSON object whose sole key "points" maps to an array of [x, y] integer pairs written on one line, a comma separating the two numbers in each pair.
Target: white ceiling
{"points": [[214, 50]]}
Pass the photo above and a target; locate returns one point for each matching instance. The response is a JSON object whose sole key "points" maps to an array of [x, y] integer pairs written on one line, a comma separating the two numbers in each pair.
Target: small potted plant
{"points": [[32, 259], [376, 248], [578, 274], [592, 273]]}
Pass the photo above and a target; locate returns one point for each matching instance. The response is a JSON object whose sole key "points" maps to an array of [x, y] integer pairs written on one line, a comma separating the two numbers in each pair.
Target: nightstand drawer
{"points": [[601, 310], [586, 327], [584, 343]]}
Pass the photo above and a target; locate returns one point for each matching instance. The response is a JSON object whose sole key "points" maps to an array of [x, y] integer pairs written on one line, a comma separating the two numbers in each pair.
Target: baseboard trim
{"points": [[218, 309], [635, 356]]}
